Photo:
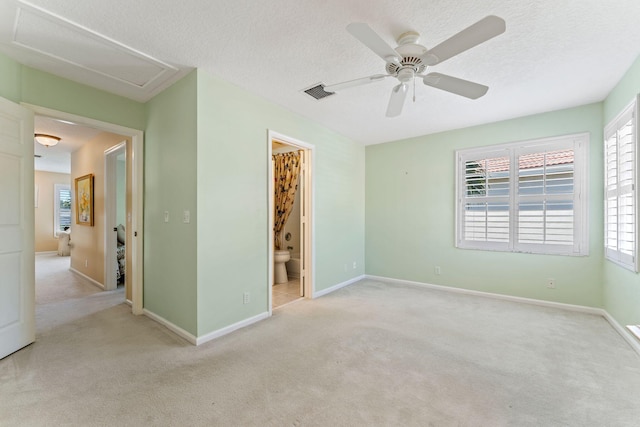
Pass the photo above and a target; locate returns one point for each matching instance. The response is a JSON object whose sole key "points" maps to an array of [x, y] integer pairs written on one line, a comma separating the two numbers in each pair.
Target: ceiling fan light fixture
{"points": [[405, 74], [46, 140]]}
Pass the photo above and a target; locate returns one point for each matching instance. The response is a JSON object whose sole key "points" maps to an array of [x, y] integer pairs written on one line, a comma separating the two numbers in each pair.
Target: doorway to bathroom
{"points": [[291, 240]]}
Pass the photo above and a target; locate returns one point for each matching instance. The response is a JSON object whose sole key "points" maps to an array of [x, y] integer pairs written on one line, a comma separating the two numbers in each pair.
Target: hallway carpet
{"points": [[371, 354]]}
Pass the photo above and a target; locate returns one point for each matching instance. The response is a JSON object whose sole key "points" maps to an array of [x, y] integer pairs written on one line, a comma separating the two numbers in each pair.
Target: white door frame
{"points": [[110, 185], [137, 192], [309, 203]]}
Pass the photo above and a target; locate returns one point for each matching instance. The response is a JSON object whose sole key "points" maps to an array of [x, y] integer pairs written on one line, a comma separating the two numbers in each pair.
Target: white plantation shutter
{"points": [[620, 179], [62, 207], [524, 197], [546, 199], [486, 200]]}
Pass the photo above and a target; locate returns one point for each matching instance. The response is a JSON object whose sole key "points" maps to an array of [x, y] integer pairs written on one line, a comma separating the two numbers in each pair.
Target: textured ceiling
{"points": [[553, 55]]}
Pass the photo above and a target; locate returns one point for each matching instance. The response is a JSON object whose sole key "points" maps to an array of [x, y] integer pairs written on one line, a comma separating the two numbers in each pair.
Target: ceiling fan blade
{"points": [[455, 85], [357, 82], [373, 41], [396, 102], [480, 32]]}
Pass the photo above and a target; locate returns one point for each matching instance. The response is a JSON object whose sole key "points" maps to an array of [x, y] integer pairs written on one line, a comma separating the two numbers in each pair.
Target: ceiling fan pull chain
{"points": [[414, 90]]}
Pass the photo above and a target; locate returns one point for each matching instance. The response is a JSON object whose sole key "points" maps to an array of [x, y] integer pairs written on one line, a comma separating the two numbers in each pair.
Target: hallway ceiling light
{"points": [[46, 140]]}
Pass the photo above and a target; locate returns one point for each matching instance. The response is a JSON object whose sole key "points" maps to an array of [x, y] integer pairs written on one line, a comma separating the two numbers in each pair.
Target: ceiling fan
{"points": [[410, 60]]}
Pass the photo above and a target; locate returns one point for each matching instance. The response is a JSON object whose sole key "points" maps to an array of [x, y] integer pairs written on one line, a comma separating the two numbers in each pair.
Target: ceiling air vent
{"points": [[318, 92]]}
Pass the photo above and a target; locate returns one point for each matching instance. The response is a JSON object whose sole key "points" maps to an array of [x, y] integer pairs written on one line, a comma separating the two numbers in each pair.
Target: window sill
{"points": [[635, 330], [467, 246], [621, 264]]}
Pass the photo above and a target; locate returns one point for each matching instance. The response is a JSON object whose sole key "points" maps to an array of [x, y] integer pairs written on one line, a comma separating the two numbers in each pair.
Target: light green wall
{"points": [[623, 93], [20, 83], [60, 94], [170, 185], [232, 201], [10, 78], [410, 214], [206, 144], [621, 286]]}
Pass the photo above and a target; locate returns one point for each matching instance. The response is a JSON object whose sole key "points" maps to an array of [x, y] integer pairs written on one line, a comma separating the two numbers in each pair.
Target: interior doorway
{"points": [[296, 236], [116, 215], [134, 266]]}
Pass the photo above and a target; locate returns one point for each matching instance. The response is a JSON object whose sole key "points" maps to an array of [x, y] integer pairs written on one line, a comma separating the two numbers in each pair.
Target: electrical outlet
{"points": [[186, 217], [166, 216], [551, 283], [245, 298], [86, 263], [437, 270], [354, 265]]}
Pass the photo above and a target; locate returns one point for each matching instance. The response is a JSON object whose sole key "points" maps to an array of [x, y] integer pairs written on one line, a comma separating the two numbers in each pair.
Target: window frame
{"points": [[57, 188], [580, 144], [628, 113]]}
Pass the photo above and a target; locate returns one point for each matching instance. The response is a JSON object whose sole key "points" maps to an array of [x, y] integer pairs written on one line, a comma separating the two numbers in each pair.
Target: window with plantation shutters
{"points": [[62, 208], [524, 197], [620, 197]]}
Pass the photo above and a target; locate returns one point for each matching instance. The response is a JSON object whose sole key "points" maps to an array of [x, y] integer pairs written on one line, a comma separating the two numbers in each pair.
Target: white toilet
{"points": [[280, 270]]}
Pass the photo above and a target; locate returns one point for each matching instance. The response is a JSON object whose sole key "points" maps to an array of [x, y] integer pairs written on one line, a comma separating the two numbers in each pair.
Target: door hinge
{"points": [[135, 234]]}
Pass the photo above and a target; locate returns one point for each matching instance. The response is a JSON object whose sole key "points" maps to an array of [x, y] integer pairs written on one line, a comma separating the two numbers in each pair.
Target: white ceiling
{"points": [[58, 158], [553, 55]]}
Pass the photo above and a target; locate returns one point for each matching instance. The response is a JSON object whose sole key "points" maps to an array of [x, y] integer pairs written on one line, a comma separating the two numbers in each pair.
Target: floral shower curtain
{"points": [[286, 172]]}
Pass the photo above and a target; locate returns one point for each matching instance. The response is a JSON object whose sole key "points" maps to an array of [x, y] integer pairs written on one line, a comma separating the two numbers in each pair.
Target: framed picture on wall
{"points": [[84, 200]]}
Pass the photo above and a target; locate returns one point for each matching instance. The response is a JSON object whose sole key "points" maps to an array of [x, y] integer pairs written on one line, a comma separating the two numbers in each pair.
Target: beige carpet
{"points": [[370, 354]]}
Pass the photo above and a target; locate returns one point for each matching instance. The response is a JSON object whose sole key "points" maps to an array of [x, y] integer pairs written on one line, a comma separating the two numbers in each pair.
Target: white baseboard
{"points": [[635, 345], [571, 307], [93, 282], [207, 337], [238, 325], [241, 324], [633, 342], [336, 287], [172, 327], [228, 329], [46, 253]]}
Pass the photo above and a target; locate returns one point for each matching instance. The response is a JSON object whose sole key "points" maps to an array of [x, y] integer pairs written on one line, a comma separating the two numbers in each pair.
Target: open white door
{"points": [[17, 263]]}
